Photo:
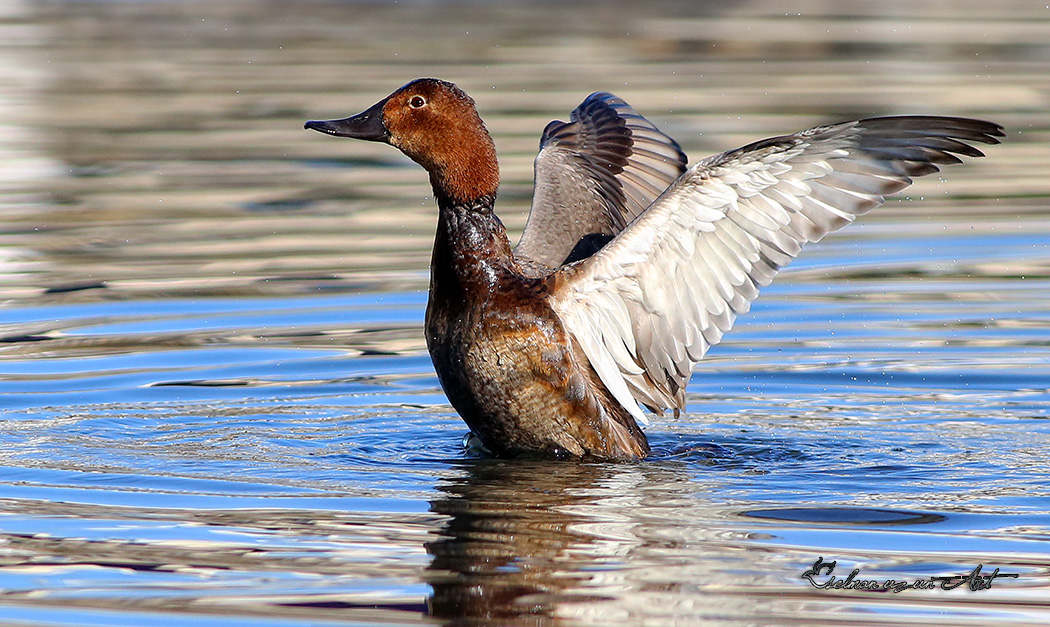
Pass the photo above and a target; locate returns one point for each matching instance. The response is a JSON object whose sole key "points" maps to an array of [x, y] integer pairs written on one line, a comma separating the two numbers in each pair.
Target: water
{"points": [[216, 402]]}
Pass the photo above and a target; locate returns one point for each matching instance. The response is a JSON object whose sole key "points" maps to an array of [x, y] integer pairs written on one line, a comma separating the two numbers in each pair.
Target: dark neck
{"points": [[471, 249]]}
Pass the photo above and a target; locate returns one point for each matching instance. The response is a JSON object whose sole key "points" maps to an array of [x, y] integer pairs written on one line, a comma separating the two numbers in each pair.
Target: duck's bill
{"points": [[367, 125]]}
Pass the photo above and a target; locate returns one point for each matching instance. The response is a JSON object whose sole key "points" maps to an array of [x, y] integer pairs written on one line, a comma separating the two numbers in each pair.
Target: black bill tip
{"points": [[367, 125]]}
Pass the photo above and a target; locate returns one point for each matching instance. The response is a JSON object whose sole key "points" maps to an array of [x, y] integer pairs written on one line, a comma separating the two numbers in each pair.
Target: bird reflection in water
{"points": [[525, 538]]}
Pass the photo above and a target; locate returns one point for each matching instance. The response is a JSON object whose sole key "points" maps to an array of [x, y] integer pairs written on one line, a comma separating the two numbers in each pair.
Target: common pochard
{"points": [[631, 266]]}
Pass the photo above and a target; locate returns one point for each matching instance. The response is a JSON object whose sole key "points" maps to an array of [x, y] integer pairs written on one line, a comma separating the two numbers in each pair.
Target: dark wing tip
{"points": [[920, 143], [968, 129]]}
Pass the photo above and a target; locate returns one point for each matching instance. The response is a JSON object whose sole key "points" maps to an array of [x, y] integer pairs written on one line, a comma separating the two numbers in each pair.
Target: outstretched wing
{"points": [[646, 307], [594, 174]]}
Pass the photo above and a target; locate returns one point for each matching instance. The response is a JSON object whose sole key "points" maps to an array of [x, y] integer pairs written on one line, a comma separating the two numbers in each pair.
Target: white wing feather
{"points": [[647, 307]]}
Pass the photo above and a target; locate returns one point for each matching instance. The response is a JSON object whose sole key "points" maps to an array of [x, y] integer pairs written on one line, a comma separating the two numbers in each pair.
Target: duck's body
{"points": [[503, 357], [630, 267]]}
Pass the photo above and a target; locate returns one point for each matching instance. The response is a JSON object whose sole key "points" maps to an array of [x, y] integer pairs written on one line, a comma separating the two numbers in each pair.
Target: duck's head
{"points": [[436, 125]]}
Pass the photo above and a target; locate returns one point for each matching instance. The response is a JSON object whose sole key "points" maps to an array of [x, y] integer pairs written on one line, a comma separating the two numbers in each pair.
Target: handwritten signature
{"points": [[974, 580]]}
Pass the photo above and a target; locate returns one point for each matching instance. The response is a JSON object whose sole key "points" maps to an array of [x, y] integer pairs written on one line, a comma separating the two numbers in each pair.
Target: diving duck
{"points": [[631, 264]]}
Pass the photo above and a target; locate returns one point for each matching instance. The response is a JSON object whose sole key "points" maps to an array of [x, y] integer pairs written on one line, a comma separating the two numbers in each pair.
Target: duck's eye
{"points": [[417, 101]]}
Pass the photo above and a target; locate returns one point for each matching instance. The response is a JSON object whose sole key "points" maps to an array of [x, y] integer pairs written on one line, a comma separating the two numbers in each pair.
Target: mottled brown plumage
{"points": [[630, 266], [503, 357]]}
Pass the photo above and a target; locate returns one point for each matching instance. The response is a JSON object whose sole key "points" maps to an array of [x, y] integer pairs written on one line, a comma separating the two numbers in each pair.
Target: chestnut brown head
{"points": [[436, 125]]}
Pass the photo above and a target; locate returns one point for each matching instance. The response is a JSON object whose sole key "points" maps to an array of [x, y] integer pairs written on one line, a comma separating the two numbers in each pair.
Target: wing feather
{"points": [[648, 306], [593, 175]]}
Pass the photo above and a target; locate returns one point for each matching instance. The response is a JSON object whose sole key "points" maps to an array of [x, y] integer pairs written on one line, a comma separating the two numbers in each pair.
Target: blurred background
{"points": [[156, 148], [215, 399]]}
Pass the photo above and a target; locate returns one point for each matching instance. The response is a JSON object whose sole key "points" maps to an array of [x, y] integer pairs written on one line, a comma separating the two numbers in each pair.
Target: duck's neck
{"points": [[471, 250], [463, 168]]}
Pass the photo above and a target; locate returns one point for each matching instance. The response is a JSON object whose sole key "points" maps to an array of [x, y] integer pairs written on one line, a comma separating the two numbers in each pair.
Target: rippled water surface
{"points": [[216, 406]]}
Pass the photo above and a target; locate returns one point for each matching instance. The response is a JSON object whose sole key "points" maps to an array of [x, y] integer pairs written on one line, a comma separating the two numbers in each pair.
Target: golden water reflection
{"points": [[156, 149]]}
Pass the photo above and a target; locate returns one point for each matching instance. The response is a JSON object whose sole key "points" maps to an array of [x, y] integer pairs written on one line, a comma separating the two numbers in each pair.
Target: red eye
{"points": [[417, 102]]}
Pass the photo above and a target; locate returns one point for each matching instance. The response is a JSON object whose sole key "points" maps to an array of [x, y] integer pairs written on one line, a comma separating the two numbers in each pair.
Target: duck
{"points": [[631, 265]]}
